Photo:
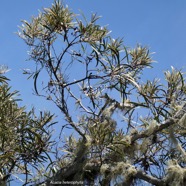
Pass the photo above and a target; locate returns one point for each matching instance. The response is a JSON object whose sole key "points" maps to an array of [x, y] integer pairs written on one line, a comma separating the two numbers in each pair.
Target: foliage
{"points": [[24, 137], [128, 127]]}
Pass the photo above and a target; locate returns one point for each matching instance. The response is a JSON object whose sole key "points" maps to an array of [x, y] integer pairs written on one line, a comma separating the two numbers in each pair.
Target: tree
{"points": [[24, 137], [127, 130]]}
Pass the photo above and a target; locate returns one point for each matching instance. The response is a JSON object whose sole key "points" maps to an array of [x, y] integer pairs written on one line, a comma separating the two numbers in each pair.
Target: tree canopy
{"points": [[24, 136], [127, 129]]}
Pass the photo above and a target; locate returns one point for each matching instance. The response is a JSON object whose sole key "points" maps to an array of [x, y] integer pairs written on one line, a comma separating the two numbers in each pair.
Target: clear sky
{"points": [[159, 24]]}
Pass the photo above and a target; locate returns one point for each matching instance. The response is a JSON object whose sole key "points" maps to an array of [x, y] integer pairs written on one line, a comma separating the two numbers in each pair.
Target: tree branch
{"points": [[69, 172], [155, 181], [167, 123], [145, 134]]}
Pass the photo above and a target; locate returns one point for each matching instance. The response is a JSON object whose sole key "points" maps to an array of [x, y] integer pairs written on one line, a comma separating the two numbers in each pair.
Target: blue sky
{"points": [[160, 25]]}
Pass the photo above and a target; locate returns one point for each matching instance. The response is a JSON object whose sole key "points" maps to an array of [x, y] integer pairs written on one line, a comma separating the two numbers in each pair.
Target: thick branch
{"points": [[145, 134], [164, 125], [76, 167], [155, 181]]}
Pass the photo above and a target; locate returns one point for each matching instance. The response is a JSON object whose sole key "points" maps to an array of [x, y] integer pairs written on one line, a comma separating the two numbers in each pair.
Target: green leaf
{"points": [[4, 79], [35, 81]]}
